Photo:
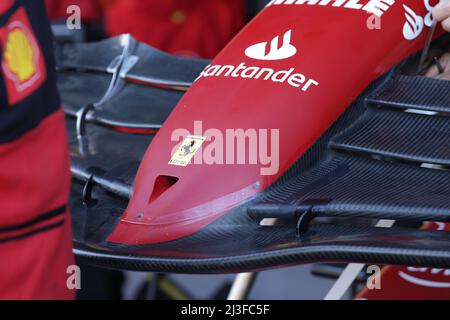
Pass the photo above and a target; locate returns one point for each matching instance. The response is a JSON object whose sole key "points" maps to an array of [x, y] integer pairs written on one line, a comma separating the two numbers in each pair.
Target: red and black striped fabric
{"points": [[35, 228]]}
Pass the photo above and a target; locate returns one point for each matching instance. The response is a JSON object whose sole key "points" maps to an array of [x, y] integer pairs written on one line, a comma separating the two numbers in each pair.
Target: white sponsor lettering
{"points": [[260, 51], [415, 24], [264, 51], [376, 7], [424, 282], [290, 77]]}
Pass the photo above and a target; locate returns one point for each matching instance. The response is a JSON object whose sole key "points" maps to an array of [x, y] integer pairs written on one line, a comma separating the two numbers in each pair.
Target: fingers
{"points": [[434, 72], [445, 62], [441, 12], [443, 76], [446, 24]]}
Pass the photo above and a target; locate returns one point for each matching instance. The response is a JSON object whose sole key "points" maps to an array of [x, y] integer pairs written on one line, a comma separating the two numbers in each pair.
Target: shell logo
{"points": [[22, 59], [20, 56]]}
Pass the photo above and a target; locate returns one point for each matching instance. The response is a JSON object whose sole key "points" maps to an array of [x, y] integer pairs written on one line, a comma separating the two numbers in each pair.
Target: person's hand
{"points": [[444, 65], [441, 12]]}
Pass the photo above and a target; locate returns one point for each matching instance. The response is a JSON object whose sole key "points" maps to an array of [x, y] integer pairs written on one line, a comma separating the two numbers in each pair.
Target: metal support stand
{"points": [[242, 286]]}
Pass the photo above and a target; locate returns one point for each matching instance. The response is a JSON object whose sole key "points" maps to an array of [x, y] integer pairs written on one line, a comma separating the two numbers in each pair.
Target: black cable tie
{"points": [[439, 65], [303, 221], [87, 190]]}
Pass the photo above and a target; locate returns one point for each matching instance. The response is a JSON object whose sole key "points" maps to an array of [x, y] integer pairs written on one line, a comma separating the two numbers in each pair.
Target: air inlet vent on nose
{"points": [[162, 184]]}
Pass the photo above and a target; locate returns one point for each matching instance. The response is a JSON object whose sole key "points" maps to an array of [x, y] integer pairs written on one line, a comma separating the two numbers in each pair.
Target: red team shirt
{"points": [[35, 228], [199, 28]]}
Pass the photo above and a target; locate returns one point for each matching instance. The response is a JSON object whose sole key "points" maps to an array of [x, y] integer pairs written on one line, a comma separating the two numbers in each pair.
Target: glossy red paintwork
{"points": [[334, 47]]}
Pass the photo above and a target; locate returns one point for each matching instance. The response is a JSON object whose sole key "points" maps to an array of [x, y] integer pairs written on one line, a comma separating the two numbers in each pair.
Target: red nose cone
{"points": [[278, 84]]}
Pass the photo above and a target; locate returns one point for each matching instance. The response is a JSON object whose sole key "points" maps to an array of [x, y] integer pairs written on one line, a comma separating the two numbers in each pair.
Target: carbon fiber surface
{"points": [[155, 67], [130, 84], [137, 106], [369, 164], [237, 243], [111, 157], [413, 92], [357, 187], [399, 135], [96, 56], [80, 89]]}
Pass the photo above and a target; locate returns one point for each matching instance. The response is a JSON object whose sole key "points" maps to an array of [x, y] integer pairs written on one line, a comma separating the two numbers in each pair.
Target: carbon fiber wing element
{"points": [[387, 157]]}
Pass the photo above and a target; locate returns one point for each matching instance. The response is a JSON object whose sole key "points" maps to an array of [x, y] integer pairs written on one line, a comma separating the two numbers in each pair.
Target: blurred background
{"points": [[197, 29]]}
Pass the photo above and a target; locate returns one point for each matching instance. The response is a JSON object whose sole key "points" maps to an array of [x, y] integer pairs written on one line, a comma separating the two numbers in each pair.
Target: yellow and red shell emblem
{"points": [[20, 55], [23, 63]]}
